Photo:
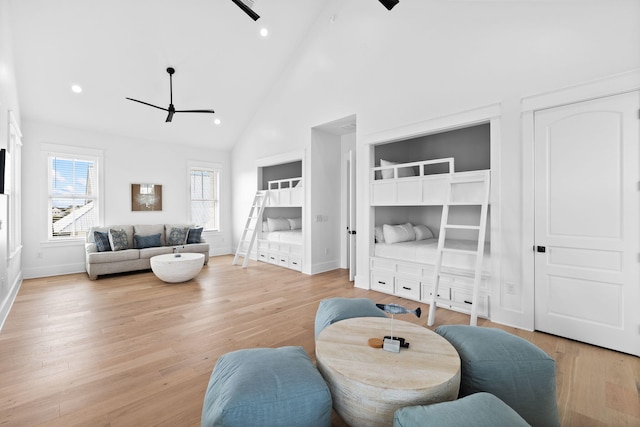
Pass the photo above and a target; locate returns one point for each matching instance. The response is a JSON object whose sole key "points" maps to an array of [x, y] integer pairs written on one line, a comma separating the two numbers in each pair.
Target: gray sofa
{"points": [[130, 247]]}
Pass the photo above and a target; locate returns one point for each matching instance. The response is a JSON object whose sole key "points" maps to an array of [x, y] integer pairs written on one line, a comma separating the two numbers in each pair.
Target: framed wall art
{"points": [[146, 197]]}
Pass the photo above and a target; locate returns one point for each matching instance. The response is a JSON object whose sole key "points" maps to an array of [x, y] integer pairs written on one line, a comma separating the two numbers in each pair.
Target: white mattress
{"points": [[286, 236], [424, 252]]}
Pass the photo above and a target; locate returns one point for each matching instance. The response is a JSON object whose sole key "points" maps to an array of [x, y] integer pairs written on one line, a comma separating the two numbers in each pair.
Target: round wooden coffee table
{"points": [[176, 268], [369, 384]]}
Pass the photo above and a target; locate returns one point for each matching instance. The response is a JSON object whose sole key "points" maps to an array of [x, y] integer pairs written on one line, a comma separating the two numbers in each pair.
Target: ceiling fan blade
{"points": [[170, 116], [146, 103], [247, 9], [195, 111]]}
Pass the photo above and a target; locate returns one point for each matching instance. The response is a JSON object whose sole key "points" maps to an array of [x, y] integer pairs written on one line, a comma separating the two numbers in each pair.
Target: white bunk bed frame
{"points": [[413, 280], [287, 192]]}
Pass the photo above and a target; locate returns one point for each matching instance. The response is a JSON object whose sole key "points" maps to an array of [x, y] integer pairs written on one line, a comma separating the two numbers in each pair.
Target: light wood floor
{"points": [[131, 350]]}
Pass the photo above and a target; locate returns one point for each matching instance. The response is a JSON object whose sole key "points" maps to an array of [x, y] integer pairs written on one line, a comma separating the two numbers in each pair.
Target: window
{"points": [[73, 206], [204, 197]]}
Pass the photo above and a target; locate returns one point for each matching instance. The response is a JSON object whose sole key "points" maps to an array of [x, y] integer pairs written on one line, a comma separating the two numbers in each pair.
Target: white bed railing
{"points": [[282, 184], [421, 168]]}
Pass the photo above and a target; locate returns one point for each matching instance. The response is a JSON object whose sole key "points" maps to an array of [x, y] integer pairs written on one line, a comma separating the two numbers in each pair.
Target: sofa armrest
{"points": [[90, 247]]}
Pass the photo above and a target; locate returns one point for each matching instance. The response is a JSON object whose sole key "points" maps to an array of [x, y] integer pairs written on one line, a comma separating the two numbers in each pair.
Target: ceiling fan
{"points": [[171, 110]]}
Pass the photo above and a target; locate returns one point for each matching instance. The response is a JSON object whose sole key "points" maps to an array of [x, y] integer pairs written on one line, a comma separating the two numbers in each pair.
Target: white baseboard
{"points": [[7, 303], [53, 270], [324, 266]]}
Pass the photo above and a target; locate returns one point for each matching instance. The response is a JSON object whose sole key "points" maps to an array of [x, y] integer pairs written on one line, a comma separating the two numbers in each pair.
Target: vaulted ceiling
{"points": [[121, 48]]}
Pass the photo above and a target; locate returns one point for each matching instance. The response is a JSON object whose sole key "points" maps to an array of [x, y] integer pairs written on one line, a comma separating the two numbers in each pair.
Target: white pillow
{"points": [[278, 224], [378, 233], [398, 233], [295, 223], [422, 232], [402, 172]]}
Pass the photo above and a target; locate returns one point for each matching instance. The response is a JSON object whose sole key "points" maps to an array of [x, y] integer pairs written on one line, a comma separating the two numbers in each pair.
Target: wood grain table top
{"points": [[429, 362]]}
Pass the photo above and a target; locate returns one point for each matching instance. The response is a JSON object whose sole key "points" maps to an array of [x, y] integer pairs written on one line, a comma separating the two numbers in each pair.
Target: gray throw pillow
{"points": [[118, 239], [178, 236]]}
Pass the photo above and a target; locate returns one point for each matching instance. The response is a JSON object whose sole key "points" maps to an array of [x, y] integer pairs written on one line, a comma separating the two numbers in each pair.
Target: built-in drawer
{"points": [[295, 263], [444, 292], [283, 260], [263, 256], [466, 297], [272, 258], [383, 265], [407, 288], [382, 282]]}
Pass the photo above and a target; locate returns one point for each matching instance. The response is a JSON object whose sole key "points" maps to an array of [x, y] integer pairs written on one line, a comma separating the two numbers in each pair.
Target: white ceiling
{"points": [[121, 48]]}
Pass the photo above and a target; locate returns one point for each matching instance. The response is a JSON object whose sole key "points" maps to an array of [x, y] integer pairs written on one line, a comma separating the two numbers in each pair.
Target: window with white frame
{"points": [[204, 183], [73, 199]]}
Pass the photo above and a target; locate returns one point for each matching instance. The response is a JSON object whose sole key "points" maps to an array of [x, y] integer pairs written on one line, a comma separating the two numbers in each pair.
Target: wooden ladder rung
{"points": [[462, 227], [460, 251]]}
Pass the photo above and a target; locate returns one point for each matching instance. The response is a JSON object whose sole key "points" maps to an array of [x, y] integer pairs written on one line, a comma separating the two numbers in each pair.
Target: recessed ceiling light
{"points": [[76, 88], [217, 121], [264, 32]]}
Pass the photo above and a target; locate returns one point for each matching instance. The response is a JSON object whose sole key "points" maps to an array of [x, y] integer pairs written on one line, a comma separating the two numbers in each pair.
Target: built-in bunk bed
{"points": [[408, 187], [280, 239]]}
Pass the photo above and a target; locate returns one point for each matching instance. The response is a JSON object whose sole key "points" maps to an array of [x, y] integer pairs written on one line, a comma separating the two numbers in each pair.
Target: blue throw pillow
{"points": [[178, 236], [194, 235], [102, 241], [150, 241]]}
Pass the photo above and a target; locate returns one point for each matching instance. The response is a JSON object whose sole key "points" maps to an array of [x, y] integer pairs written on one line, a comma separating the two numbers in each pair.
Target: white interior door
{"points": [[587, 222], [351, 228]]}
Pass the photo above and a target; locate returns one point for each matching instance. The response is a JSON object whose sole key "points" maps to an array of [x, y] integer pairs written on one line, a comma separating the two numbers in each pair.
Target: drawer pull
{"points": [[381, 282], [294, 263], [406, 287], [283, 260], [467, 302]]}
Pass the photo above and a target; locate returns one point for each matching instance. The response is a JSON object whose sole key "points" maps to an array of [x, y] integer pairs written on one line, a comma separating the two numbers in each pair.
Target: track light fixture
{"points": [[389, 3], [248, 10]]}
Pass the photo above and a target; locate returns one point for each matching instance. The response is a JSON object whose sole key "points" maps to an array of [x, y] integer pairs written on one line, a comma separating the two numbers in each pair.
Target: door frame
{"points": [[608, 86]]}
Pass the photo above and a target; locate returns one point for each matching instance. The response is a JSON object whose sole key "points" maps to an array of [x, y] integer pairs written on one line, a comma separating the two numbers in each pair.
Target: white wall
{"points": [[424, 60], [10, 268], [324, 201], [126, 161]]}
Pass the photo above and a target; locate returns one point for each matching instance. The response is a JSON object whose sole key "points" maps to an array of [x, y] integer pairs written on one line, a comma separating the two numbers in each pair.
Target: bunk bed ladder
{"points": [[479, 252], [251, 228]]}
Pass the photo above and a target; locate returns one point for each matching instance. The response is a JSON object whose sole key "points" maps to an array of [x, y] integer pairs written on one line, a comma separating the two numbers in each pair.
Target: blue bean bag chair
{"points": [[266, 387], [509, 367], [332, 310], [477, 410]]}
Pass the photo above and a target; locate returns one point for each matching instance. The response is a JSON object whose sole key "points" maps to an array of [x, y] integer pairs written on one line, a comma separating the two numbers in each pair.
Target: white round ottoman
{"points": [[176, 268]]}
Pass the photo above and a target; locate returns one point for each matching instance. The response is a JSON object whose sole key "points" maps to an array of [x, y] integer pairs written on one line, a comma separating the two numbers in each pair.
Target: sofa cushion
{"points": [[106, 257], [147, 230], [118, 239], [101, 240], [149, 241], [151, 252], [195, 235]]}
